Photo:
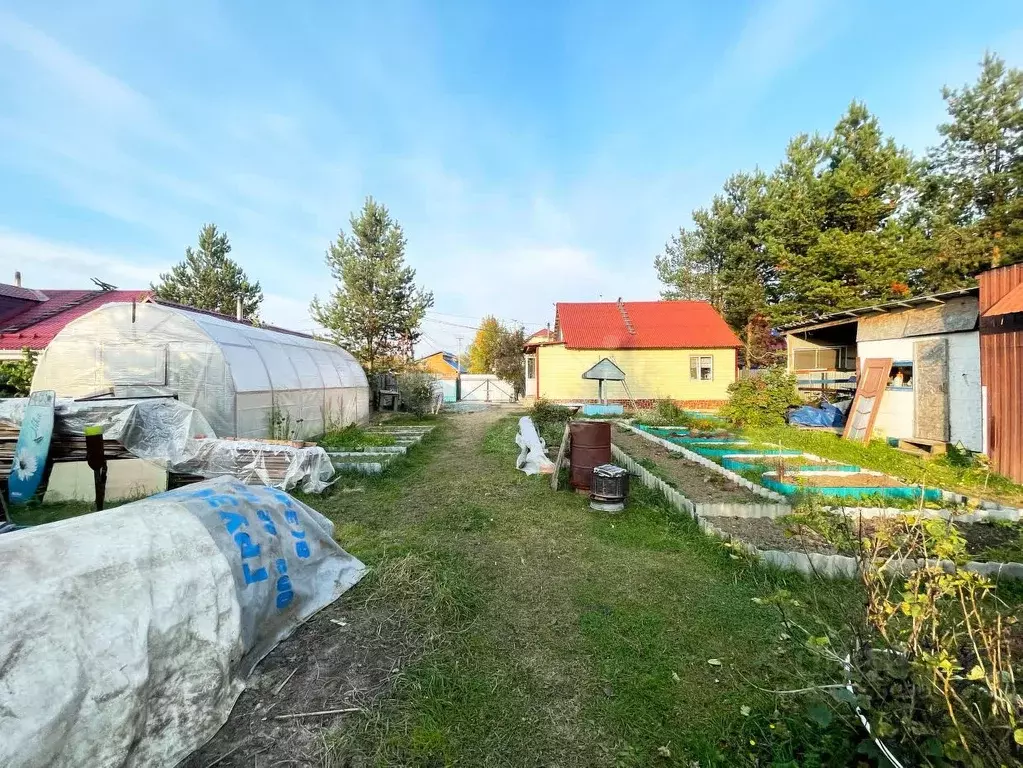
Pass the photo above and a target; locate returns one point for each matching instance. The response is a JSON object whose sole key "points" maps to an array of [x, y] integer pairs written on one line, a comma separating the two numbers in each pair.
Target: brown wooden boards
{"points": [[561, 457], [869, 390], [930, 389]]}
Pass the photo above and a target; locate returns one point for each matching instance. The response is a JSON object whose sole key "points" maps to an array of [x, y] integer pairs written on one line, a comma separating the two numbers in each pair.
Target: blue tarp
{"points": [[827, 415]]}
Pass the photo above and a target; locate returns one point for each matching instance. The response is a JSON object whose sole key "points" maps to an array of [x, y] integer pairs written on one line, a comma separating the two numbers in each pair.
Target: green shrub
{"points": [[761, 401], [16, 375], [416, 392], [550, 420], [926, 659]]}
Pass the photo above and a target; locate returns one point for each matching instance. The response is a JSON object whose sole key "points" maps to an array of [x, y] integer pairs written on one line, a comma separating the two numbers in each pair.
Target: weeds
{"points": [[354, 437]]}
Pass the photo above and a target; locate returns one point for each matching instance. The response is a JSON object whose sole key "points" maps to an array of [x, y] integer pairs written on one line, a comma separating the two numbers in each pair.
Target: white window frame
{"points": [[530, 363], [697, 365]]}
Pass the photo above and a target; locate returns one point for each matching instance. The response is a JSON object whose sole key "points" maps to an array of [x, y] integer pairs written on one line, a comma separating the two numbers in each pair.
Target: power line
{"points": [[470, 317]]}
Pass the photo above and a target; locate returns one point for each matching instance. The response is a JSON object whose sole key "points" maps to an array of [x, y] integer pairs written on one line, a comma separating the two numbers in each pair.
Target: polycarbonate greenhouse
{"points": [[248, 381]]}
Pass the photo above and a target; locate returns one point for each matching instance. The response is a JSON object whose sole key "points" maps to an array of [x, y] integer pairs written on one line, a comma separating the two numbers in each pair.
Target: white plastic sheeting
{"points": [[252, 461], [532, 458], [161, 430], [240, 377], [125, 635]]}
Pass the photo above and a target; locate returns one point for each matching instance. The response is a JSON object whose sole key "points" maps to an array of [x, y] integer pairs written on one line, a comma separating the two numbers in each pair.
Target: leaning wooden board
{"points": [[32, 448], [561, 457], [859, 423]]}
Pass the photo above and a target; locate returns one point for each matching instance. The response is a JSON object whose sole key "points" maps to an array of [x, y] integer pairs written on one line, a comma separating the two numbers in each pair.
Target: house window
{"points": [[701, 368], [530, 367]]}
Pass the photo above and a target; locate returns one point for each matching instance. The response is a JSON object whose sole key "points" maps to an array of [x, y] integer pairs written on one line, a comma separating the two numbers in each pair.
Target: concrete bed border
{"points": [[703, 461], [807, 563], [719, 509], [844, 566]]}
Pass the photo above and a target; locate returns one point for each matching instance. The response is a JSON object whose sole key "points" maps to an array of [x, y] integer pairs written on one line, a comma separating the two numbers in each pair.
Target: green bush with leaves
{"points": [[928, 661], [16, 375], [416, 392], [761, 401], [550, 420]]}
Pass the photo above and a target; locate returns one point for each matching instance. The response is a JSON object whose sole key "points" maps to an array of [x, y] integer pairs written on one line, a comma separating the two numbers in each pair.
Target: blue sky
{"points": [[533, 151]]}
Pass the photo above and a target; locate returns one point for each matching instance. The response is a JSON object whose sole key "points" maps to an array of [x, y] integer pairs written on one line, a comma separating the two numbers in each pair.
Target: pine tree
{"points": [[833, 228], [209, 279], [376, 308], [973, 198]]}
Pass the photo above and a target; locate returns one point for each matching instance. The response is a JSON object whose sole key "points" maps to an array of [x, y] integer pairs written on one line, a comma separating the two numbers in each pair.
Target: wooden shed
{"points": [[1001, 363]]}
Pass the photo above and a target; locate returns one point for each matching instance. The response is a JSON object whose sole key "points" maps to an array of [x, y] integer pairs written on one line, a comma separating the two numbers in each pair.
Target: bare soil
{"points": [[693, 481], [789, 462], [342, 658], [766, 533], [844, 480]]}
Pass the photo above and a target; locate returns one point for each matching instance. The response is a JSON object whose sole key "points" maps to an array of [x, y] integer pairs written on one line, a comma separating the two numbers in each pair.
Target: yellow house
{"points": [[443, 365], [677, 350]]}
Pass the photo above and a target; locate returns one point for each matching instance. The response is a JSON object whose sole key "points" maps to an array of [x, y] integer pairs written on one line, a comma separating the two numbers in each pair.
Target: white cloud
{"points": [[48, 264], [74, 75], [776, 36]]}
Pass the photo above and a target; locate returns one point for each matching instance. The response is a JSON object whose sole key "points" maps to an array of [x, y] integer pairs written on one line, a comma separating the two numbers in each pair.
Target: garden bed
{"points": [[792, 461], [846, 484], [985, 542], [691, 480]]}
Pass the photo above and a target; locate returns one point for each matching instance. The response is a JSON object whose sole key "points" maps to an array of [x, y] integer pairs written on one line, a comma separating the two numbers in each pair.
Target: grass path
{"points": [[553, 635]]}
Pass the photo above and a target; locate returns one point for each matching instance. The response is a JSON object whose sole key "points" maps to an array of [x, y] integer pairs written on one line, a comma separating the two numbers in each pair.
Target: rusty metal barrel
{"points": [[591, 447]]}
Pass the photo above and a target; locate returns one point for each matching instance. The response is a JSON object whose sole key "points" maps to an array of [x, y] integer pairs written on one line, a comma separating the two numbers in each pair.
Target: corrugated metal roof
{"points": [[1010, 303], [17, 292], [642, 325], [849, 315], [35, 327]]}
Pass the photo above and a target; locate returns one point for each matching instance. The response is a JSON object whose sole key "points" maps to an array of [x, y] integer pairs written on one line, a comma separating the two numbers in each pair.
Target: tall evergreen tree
{"points": [[973, 198], [376, 308], [209, 279], [833, 229]]}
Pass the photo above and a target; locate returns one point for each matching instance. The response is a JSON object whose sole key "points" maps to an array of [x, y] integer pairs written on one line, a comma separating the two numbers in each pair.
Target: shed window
{"points": [[701, 368], [530, 367], [901, 375]]}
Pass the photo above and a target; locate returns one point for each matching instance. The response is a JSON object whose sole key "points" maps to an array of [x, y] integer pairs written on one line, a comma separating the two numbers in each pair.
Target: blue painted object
{"points": [[33, 447], [739, 462], [611, 409], [930, 494], [717, 451]]}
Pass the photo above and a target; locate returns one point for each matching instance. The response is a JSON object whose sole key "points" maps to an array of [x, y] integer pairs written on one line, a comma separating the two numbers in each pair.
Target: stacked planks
{"points": [[65, 446]]}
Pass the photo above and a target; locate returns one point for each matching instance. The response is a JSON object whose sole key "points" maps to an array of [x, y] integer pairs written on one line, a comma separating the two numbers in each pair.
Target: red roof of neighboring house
{"points": [[43, 318], [643, 325], [542, 335], [1009, 303]]}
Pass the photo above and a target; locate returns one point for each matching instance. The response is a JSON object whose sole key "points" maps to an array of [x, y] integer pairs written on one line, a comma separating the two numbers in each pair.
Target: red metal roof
{"points": [[36, 326], [1008, 304], [17, 292], [643, 325]]}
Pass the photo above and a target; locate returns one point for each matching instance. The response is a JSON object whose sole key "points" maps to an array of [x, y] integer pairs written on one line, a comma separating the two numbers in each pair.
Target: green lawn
{"points": [[554, 635]]}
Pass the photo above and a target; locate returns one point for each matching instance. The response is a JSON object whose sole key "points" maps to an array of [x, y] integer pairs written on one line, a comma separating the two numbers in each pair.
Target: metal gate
{"points": [[486, 388]]}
